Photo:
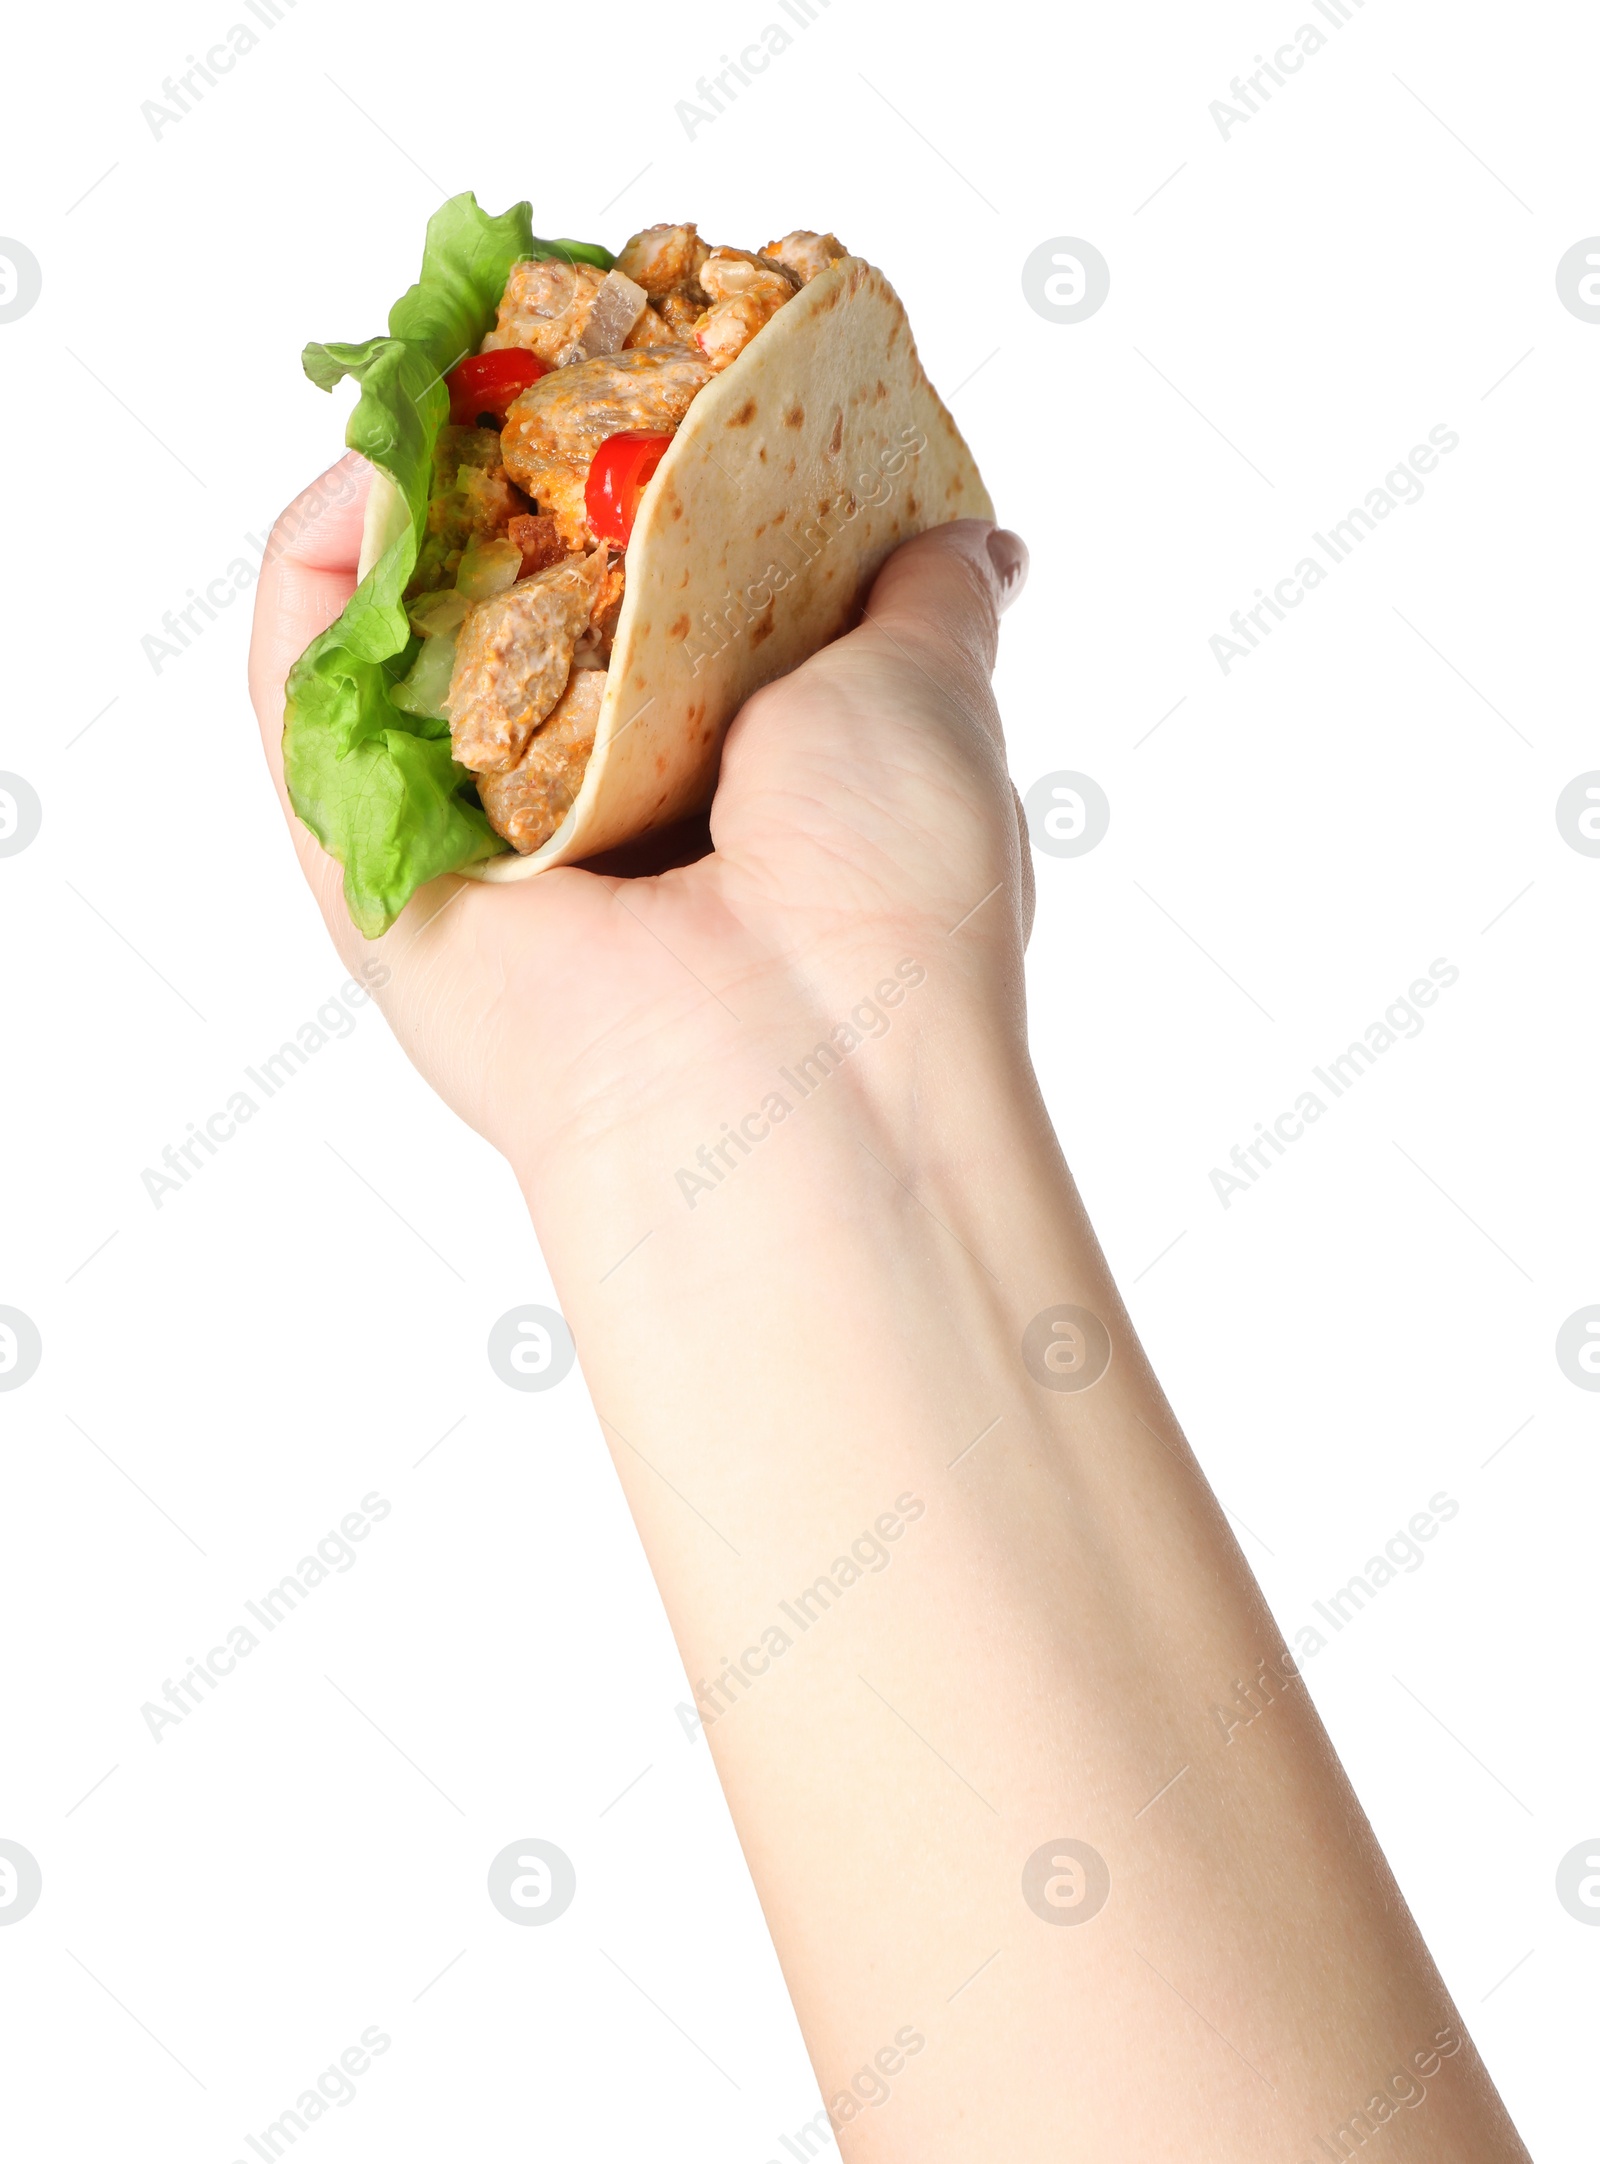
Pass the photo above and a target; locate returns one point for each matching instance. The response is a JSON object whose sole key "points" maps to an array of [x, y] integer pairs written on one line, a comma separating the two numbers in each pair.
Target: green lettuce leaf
{"points": [[378, 787]]}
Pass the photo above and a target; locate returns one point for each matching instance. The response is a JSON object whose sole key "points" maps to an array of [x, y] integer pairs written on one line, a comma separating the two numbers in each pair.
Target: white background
{"points": [[1297, 840]]}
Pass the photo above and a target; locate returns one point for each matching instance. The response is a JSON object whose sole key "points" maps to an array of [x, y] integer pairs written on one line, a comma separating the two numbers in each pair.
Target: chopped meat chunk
{"points": [[593, 650], [653, 329], [570, 412], [555, 427], [527, 804], [665, 259], [560, 488], [545, 308], [805, 253], [513, 657], [540, 543], [730, 271], [746, 292], [724, 331]]}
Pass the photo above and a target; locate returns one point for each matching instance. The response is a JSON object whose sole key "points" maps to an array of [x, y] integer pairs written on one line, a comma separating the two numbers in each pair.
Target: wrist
{"points": [[908, 1056]]}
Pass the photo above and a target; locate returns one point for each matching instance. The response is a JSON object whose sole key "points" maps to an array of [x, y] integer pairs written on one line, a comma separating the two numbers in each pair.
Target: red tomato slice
{"points": [[487, 383], [617, 477]]}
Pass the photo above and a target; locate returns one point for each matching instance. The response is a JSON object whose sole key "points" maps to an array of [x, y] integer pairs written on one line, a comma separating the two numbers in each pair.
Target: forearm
{"points": [[814, 1360]]}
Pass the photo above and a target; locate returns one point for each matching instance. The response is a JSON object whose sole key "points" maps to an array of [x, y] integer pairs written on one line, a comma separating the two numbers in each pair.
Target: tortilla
{"points": [[795, 473]]}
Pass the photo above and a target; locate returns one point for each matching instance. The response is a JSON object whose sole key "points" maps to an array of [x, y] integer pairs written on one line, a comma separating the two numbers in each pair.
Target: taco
{"points": [[613, 497]]}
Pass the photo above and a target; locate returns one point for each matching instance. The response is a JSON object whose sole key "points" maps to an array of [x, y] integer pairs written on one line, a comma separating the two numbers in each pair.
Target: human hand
{"points": [[863, 812]]}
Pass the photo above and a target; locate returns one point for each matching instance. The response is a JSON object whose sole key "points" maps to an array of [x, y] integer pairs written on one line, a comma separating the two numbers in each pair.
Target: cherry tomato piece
{"points": [[487, 383], [618, 474]]}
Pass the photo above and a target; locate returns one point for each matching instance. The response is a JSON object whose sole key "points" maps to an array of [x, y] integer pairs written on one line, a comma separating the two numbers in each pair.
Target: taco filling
{"points": [[612, 497], [556, 425]]}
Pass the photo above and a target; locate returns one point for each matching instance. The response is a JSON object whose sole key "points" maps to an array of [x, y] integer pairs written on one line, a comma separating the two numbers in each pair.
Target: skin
{"points": [[823, 1330]]}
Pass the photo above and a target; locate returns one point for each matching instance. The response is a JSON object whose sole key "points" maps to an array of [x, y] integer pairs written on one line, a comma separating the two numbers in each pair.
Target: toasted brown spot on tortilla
{"points": [[678, 628], [780, 515], [837, 437], [911, 506], [763, 454], [761, 629], [745, 415], [789, 466], [796, 416]]}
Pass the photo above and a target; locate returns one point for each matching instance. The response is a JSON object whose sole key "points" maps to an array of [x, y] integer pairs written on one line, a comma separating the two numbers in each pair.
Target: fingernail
{"points": [[1008, 552]]}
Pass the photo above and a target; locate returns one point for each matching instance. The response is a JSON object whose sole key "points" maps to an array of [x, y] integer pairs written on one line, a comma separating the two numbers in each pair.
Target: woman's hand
{"points": [[863, 811]]}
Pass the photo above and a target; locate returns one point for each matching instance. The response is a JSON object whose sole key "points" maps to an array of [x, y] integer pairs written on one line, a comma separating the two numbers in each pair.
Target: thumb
{"points": [[940, 597]]}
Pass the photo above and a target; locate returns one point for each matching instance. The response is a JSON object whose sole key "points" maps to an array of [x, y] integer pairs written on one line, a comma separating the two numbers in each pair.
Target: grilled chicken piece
{"points": [[593, 650], [724, 331], [746, 291], [513, 658], [539, 542], [560, 488], [665, 259], [731, 272], [652, 329], [805, 253], [555, 427], [527, 804], [570, 412], [544, 309]]}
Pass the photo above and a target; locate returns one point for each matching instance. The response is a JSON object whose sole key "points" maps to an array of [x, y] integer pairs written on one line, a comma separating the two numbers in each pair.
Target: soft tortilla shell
{"points": [[795, 473]]}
